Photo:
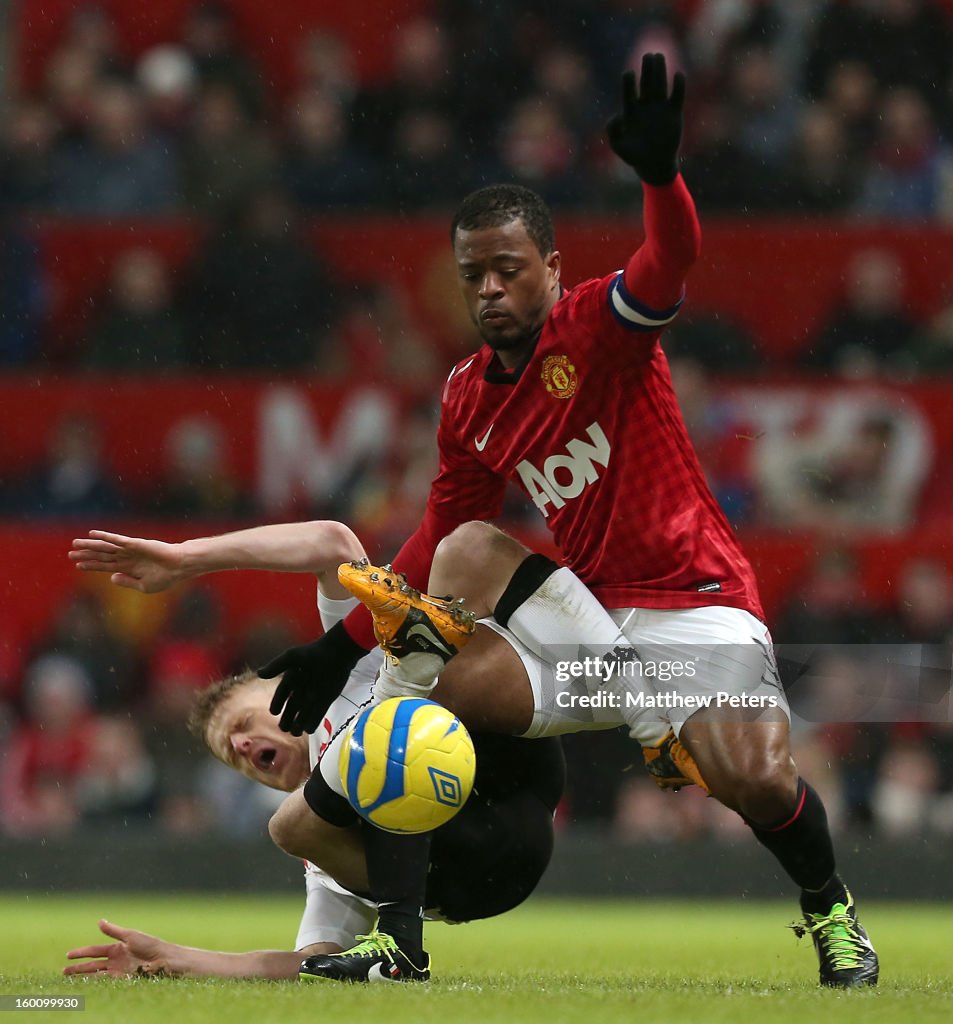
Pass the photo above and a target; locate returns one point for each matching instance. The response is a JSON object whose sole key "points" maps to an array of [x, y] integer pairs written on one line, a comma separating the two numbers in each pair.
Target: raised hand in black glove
{"points": [[314, 675], [647, 133]]}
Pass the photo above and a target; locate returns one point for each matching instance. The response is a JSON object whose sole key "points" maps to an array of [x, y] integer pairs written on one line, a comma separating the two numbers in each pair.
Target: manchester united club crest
{"points": [[559, 376]]}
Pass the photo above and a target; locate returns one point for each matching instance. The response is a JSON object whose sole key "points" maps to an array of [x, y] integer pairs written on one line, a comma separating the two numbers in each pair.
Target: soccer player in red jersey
{"points": [[571, 397]]}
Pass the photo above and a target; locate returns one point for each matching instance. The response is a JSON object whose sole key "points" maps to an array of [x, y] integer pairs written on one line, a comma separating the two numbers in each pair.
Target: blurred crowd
{"points": [[93, 719], [822, 107], [816, 108]]}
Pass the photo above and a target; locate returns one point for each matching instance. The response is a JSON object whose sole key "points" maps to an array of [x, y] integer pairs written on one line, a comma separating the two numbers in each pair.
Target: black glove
{"points": [[314, 675], [647, 133]]}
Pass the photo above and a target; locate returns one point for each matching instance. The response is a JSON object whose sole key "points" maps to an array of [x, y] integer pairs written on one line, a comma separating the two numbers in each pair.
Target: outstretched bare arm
{"points": [[138, 953], [151, 566]]}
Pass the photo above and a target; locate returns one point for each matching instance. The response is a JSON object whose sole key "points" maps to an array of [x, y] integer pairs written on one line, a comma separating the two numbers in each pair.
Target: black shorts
{"points": [[491, 855]]}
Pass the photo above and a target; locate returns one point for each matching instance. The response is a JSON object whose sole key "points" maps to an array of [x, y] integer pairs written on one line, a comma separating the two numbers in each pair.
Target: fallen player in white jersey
{"points": [[485, 861]]}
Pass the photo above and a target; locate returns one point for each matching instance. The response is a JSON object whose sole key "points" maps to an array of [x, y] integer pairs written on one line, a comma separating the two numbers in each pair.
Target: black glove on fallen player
{"points": [[314, 675], [647, 133]]}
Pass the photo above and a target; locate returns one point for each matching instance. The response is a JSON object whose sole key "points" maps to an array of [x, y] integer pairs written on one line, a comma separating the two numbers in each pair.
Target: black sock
{"points": [[820, 902], [803, 847], [530, 575], [397, 872]]}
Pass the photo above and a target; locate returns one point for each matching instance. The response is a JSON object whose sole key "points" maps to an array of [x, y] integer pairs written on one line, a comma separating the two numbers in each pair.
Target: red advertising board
{"points": [[283, 435]]}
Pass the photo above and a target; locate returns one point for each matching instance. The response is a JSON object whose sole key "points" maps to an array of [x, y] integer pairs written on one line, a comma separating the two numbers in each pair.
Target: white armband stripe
{"points": [[634, 314]]}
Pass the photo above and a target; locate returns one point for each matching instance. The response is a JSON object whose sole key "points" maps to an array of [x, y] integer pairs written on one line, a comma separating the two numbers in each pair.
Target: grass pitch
{"points": [[550, 961]]}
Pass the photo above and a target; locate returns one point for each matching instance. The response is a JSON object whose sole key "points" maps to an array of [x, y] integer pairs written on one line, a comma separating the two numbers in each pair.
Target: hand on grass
{"points": [[133, 953]]}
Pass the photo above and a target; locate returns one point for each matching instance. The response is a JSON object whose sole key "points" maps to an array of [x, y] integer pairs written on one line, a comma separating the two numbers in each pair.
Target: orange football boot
{"points": [[671, 766], [405, 620]]}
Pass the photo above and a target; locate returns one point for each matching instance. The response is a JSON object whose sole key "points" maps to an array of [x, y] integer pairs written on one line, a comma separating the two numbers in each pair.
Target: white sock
{"points": [[333, 609], [562, 619], [415, 675]]}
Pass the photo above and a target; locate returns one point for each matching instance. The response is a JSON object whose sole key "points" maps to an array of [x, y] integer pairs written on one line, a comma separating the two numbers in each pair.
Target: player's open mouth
{"points": [[265, 758]]}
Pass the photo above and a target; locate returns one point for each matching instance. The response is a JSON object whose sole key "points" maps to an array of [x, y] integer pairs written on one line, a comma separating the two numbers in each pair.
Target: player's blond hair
{"points": [[206, 702]]}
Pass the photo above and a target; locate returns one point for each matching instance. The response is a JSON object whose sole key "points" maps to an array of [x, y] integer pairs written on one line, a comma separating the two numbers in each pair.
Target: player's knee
{"points": [[471, 544], [767, 792], [476, 561], [277, 830], [284, 831]]}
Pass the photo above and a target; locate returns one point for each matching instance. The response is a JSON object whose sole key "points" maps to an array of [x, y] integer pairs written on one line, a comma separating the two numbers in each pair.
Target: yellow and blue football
{"points": [[407, 765]]}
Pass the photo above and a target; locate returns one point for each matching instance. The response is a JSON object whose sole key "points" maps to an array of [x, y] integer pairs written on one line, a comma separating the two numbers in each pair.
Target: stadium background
{"points": [[227, 299]]}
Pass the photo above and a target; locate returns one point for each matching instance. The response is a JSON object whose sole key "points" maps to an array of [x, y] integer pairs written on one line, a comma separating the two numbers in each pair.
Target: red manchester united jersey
{"points": [[590, 429]]}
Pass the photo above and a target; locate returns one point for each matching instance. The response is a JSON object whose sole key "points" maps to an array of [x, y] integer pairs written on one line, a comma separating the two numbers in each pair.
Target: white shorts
{"points": [[549, 719], [688, 658], [714, 657]]}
